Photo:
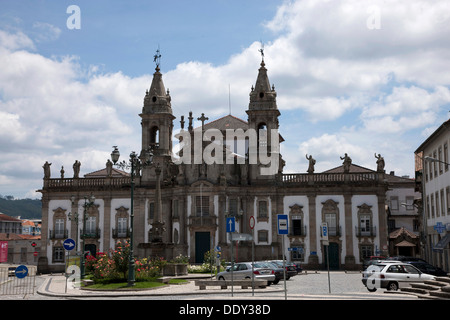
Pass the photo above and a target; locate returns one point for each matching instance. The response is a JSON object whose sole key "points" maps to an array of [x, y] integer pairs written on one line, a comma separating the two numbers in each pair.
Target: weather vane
{"points": [[262, 50], [157, 58]]}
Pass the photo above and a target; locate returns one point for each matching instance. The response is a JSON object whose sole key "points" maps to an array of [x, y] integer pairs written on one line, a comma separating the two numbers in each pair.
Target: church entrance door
{"points": [[202, 245], [333, 256]]}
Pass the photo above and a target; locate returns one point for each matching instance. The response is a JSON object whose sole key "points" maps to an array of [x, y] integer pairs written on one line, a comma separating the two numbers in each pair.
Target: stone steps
{"points": [[438, 289]]}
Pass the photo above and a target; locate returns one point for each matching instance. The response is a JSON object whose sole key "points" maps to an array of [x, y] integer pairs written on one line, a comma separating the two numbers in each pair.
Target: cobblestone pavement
{"points": [[310, 286]]}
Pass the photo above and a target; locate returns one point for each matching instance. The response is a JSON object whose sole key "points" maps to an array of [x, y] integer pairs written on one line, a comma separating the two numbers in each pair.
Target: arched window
{"points": [[154, 136]]}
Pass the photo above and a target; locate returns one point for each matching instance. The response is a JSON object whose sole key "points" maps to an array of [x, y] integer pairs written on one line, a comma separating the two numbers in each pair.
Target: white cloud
{"points": [[363, 90]]}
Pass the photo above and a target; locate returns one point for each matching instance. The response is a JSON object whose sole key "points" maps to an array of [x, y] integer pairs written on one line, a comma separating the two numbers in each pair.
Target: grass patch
{"points": [[124, 285], [177, 281]]}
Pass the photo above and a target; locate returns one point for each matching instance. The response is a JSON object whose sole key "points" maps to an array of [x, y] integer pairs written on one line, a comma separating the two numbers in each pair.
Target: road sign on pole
{"points": [[69, 244], [282, 224], [324, 231], [21, 271], [231, 224]]}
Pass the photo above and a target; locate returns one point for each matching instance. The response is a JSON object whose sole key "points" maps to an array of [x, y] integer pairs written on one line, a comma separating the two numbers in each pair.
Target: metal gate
{"points": [[12, 285]]}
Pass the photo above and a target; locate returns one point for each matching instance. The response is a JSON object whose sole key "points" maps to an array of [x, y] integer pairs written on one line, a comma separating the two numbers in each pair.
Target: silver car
{"points": [[243, 270], [392, 276]]}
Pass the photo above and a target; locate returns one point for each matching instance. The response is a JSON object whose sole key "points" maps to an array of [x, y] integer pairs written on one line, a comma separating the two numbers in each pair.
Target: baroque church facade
{"points": [[180, 207]]}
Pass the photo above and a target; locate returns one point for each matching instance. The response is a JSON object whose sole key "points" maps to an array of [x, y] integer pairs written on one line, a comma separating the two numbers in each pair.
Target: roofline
{"points": [[445, 125]]}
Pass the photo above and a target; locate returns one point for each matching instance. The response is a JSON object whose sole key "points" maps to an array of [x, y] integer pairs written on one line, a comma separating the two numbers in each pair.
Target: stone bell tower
{"points": [[263, 117], [157, 124]]}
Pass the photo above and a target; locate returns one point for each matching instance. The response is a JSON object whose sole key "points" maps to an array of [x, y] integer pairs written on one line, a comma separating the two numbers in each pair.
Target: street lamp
{"points": [[74, 217], [134, 162], [88, 202]]}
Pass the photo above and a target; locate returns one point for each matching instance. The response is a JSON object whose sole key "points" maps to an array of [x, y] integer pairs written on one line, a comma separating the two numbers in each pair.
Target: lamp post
{"points": [[133, 163], [74, 217], [88, 202]]}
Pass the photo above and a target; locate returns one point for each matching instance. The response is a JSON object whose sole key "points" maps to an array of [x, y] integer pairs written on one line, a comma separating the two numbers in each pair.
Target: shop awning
{"points": [[442, 243]]}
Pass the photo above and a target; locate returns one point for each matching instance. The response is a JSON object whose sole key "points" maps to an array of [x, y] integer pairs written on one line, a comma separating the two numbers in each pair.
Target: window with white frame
{"points": [[59, 228], [122, 226]]}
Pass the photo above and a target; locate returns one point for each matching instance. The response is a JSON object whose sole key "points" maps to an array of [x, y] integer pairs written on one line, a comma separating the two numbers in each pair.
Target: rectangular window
{"points": [[432, 205], [365, 224], [409, 203], [58, 254], [262, 209], [442, 203], [330, 219], [428, 207], [447, 190], [435, 165], [122, 225], [202, 206], [233, 207], [438, 212], [446, 156], [394, 203], [263, 236], [59, 228], [440, 160], [366, 252], [430, 166], [90, 225]]}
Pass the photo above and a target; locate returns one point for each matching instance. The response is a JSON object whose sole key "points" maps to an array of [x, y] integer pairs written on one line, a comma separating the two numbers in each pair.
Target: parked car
{"points": [[428, 268], [371, 260], [278, 272], [291, 270], [243, 270], [392, 275], [404, 258], [298, 267]]}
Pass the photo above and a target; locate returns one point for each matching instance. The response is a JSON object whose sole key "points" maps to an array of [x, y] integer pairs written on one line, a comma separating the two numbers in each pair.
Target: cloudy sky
{"points": [[356, 77]]}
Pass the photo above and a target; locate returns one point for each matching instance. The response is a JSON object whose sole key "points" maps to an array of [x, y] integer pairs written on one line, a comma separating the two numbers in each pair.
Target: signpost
{"points": [[68, 244], [21, 271], [324, 228], [231, 227], [283, 228], [252, 227]]}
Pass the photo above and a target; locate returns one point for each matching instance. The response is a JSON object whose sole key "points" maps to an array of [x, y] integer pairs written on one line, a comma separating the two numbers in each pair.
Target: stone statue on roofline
{"points": [[312, 162], [347, 163], [380, 163]]}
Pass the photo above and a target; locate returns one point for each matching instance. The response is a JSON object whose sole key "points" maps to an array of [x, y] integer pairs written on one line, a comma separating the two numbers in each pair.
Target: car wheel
{"points": [[392, 286], [221, 278], [276, 281]]}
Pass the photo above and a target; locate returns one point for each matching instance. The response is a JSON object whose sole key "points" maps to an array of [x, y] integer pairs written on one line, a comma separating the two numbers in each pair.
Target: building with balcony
{"points": [[433, 181], [180, 207]]}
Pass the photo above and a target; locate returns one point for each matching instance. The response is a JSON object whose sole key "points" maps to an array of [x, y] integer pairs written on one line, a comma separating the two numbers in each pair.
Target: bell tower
{"points": [[157, 120], [263, 116]]}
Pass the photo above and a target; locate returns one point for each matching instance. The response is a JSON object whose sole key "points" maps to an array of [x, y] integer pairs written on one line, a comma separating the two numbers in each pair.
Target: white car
{"points": [[243, 270], [392, 276]]}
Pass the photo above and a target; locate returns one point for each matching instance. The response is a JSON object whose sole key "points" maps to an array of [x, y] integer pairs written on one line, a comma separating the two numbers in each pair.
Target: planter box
{"points": [[175, 269]]}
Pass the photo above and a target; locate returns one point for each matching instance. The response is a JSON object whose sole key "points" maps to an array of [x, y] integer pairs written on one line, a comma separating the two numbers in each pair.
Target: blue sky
{"points": [[356, 77]]}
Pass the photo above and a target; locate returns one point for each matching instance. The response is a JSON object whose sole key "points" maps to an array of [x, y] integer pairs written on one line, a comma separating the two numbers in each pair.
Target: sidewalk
{"points": [[55, 286]]}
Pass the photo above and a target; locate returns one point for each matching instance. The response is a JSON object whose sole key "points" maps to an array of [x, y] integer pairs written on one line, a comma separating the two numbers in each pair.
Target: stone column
{"points": [[107, 228], [313, 260], [349, 256]]}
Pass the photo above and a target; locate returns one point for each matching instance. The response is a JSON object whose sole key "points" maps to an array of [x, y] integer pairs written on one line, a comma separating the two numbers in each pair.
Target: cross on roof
{"points": [[202, 119]]}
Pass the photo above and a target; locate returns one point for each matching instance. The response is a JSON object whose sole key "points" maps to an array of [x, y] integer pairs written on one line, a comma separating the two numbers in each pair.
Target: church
{"points": [[176, 202]]}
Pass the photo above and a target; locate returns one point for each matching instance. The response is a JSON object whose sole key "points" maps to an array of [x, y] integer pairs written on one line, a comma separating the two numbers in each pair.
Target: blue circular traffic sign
{"points": [[69, 244], [21, 271]]}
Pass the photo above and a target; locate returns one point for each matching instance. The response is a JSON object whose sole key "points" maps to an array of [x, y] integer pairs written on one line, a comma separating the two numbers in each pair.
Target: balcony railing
{"points": [[323, 178], [116, 233], [91, 234], [58, 234], [366, 231], [297, 231]]}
